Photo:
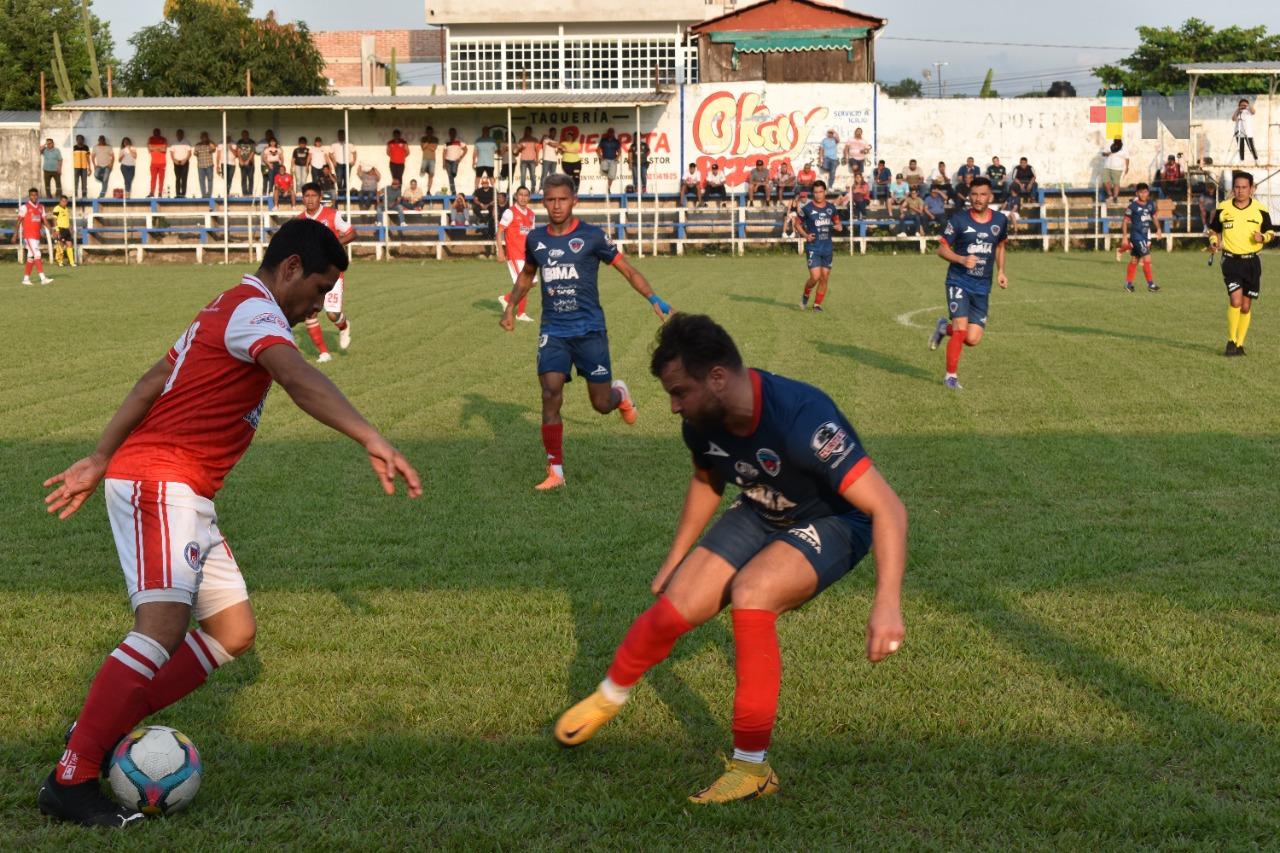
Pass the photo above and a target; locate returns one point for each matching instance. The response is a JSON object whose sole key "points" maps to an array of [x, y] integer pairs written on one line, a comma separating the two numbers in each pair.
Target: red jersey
{"points": [[284, 181], [397, 151], [32, 216], [202, 423], [518, 224], [332, 219]]}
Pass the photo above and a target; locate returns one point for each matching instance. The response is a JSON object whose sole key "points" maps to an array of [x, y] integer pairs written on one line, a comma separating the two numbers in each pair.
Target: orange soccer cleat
{"points": [[626, 408], [553, 481]]}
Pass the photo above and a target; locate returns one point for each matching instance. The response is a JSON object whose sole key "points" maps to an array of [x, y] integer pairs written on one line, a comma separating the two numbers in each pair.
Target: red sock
{"points": [[524, 302], [822, 294], [342, 322], [808, 288], [758, 665], [193, 662], [27, 271], [40, 266], [648, 642], [1128, 273], [949, 330], [317, 336], [1146, 269], [553, 441], [954, 344], [116, 703]]}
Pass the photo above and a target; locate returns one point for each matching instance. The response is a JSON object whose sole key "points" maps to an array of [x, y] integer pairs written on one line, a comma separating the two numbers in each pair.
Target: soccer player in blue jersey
{"points": [[972, 239], [811, 507], [568, 253], [1135, 235], [814, 222]]}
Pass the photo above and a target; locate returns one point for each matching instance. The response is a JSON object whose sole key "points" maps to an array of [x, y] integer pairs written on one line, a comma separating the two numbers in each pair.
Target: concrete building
{"points": [[356, 61]]}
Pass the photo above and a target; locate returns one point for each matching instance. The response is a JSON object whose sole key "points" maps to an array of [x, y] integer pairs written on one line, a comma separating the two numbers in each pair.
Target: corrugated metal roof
{"points": [[1230, 67], [19, 117], [375, 102]]}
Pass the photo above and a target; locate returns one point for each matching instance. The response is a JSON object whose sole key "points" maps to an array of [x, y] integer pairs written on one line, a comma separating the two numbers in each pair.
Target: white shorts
{"points": [[170, 547], [514, 267], [33, 247], [333, 299]]}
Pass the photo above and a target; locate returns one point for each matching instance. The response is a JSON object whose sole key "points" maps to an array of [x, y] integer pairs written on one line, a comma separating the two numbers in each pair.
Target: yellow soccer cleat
{"points": [[742, 780], [578, 724]]}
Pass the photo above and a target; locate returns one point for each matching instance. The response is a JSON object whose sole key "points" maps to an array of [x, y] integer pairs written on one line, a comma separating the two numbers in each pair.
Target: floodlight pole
{"points": [[226, 192]]}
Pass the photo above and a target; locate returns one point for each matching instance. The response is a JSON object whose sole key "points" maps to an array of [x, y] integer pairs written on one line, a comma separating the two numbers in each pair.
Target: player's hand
{"points": [[809, 238], [74, 486], [663, 577], [885, 631], [664, 316], [970, 261], [1258, 238], [1213, 245], [507, 322], [387, 463], [1003, 281]]}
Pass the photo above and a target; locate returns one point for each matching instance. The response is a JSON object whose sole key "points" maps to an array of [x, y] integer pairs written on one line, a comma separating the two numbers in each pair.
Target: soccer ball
{"points": [[156, 770]]}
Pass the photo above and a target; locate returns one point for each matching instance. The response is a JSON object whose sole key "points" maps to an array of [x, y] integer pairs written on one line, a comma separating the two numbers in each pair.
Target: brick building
{"points": [[356, 58]]}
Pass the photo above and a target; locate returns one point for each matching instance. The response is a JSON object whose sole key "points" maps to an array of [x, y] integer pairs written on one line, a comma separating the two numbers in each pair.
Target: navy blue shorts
{"points": [[1139, 248], [819, 256], [968, 304], [833, 544], [588, 353]]}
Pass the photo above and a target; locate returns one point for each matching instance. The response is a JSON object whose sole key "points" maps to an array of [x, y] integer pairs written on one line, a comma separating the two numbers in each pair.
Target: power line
{"points": [[1005, 43]]}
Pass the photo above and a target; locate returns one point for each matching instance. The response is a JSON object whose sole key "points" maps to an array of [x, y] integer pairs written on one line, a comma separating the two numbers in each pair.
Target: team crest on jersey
{"points": [[576, 245], [995, 230], [269, 318], [828, 440], [191, 551], [770, 461], [746, 469]]}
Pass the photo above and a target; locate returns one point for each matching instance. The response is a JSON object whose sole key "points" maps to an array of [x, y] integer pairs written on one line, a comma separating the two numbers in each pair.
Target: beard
{"points": [[707, 417]]}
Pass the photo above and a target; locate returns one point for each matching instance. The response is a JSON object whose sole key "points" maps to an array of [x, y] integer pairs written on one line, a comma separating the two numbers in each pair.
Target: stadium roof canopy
{"points": [[1230, 67], [373, 102]]}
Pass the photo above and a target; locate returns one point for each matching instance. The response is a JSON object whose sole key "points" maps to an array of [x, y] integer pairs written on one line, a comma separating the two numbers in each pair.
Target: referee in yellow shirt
{"points": [[1242, 227], [61, 216]]}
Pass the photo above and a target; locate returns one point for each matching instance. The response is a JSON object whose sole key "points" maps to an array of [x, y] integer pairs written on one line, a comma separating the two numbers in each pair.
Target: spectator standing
{"points": [[397, 155], [609, 148], [856, 151], [246, 150], [300, 159], [227, 163], [1024, 176], [483, 154], [482, 207], [158, 148], [1242, 128], [429, 143], [996, 174], [51, 165], [691, 185], [715, 185], [786, 179], [1115, 163], [103, 159], [81, 160], [319, 159], [180, 153], [639, 168], [205, 153], [128, 165], [805, 178], [527, 148], [344, 160], [369, 177], [550, 153], [757, 180], [571, 155], [913, 175], [273, 160], [454, 150], [830, 156]]}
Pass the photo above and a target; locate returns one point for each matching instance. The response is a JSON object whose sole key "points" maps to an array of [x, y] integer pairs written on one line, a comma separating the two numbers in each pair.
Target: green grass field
{"points": [[1091, 657]]}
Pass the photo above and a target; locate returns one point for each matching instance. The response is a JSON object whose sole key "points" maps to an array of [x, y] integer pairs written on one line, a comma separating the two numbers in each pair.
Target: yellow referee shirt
{"points": [[61, 216], [1237, 225]]}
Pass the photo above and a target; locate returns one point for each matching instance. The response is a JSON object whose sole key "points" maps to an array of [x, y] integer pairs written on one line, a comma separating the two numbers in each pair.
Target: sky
{"points": [[1088, 30]]}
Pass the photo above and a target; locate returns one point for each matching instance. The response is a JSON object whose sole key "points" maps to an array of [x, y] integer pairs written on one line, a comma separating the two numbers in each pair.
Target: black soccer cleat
{"points": [[1152, 287], [84, 804], [1240, 349], [1231, 349], [939, 332]]}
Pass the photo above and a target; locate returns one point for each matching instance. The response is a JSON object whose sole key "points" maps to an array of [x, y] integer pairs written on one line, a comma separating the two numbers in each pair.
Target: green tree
{"points": [[1150, 67], [26, 49], [988, 90], [204, 47], [904, 88]]}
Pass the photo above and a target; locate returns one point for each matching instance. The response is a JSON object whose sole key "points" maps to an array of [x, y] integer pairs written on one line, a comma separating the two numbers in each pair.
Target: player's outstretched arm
{"points": [[700, 503], [315, 394], [871, 494], [524, 283], [641, 286], [77, 483]]}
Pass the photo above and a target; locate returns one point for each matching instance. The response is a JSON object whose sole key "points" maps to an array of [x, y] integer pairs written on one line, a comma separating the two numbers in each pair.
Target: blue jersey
{"points": [[1140, 217], [819, 222], [800, 456], [967, 236], [570, 268]]}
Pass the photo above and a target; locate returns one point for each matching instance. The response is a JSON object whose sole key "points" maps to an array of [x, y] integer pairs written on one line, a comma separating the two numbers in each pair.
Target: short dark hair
{"points": [[37, 192], [1237, 175], [819, 183], [1142, 186], [311, 187], [699, 343], [558, 180], [980, 182], [311, 241]]}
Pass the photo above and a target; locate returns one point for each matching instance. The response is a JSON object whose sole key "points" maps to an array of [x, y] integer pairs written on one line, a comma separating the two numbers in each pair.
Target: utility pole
{"points": [[937, 73]]}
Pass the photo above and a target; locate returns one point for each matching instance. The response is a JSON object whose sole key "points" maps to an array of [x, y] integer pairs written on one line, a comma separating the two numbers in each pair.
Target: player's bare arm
{"points": [[641, 286], [1001, 278], [347, 237], [77, 483], [948, 254], [875, 497], [524, 283], [316, 395], [700, 503]]}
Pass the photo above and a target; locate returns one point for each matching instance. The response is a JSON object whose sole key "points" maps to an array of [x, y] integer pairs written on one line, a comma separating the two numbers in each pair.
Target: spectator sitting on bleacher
{"points": [[412, 198], [793, 212], [806, 177], [691, 185], [785, 179], [881, 176], [282, 188], [940, 180], [898, 191], [328, 183], [715, 185], [914, 175], [962, 190], [1012, 206], [482, 206], [935, 208], [458, 212], [1172, 181], [911, 212], [1024, 177], [969, 168], [757, 180], [369, 177], [996, 174], [390, 200]]}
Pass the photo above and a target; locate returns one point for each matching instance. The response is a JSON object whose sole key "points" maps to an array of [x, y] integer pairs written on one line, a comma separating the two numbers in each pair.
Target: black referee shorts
{"points": [[1242, 273]]}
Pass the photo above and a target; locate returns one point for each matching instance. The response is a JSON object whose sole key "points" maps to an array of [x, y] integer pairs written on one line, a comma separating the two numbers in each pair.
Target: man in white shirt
{"points": [[320, 157], [1242, 120], [550, 153], [344, 160], [180, 155], [1115, 164], [715, 185]]}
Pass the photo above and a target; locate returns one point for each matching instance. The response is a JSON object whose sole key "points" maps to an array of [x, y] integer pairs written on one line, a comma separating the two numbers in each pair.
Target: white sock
{"points": [[615, 693], [558, 470], [753, 756]]}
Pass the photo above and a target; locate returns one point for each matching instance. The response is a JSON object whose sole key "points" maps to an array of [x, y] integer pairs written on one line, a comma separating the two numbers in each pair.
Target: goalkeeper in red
{"points": [[812, 505]]}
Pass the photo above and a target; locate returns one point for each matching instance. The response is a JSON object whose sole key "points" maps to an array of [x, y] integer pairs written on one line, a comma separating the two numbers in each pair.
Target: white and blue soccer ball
{"points": [[156, 770]]}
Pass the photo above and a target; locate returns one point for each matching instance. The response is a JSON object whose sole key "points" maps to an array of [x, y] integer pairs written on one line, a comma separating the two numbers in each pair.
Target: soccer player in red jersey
{"points": [[31, 220], [332, 218], [812, 506], [513, 228], [165, 454]]}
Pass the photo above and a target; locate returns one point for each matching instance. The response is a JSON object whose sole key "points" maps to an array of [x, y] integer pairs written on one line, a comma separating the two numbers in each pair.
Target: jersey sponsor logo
{"points": [[554, 273], [969, 229], [191, 551], [828, 440], [600, 370], [746, 469], [809, 536], [271, 319], [714, 450], [768, 498], [576, 245], [769, 460], [542, 341], [555, 253]]}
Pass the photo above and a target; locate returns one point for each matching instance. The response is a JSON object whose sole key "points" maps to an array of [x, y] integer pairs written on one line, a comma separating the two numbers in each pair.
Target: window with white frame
{"points": [[590, 64], [475, 66], [533, 65]]}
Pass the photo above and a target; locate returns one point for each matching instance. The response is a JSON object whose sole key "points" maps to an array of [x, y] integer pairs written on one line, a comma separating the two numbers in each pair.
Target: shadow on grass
{"points": [[878, 360], [762, 300], [1119, 336]]}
